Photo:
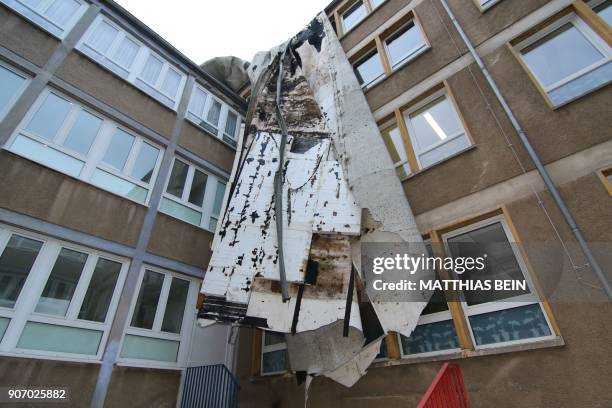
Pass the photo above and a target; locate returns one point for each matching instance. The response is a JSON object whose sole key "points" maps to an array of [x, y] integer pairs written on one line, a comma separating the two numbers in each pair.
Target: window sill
{"points": [[51, 358], [548, 343], [150, 365], [424, 169]]}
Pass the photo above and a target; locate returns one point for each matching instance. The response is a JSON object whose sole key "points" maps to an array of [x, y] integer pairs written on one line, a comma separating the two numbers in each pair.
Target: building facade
{"points": [[116, 150], [468, 178]]}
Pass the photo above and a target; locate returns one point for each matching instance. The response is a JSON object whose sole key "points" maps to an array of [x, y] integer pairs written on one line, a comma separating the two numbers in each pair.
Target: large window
{"points": [[404, 44], [435, 129], [216, 117], [354, 15], [11, 86], [273, 353], [369, 69], [56, 299], [162, 318], [568, 59], [193, 195], [55, 16], [65, 136], [117, 50], [496, 317]]}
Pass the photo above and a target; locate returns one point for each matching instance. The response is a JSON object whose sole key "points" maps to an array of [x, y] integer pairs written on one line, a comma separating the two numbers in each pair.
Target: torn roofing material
{"points": [[336, 188]]}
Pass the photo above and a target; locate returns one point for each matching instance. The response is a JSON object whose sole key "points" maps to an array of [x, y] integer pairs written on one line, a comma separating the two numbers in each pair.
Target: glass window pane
{"points": [[180, 211], [560, 54], [176, 184], [102, 37], [145, 162], [171, 83], [126, 52], [213, 113], [62, 282], [431, 337], [354, 15], [434, 123], [148, 298], [272, 338], [230, 124], [198, 187], [604, 11], [151, 70], [219, 194], [62, 339], [119, 149], [4, 322], [198, 102], [369, 69], [47, 155], [402, 44], [274, 361], [15, 264], [61, 11], [119, 186], [175, 308], [100, 290], [83, 132], [50, 116], [500, 261], [10, 83], [518, 323], [376, 3], [382, 351], [147, 348]]}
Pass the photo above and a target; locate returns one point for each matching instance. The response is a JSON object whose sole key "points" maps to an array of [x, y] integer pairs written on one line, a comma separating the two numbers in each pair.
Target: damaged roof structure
{"points": [[312, 181]]}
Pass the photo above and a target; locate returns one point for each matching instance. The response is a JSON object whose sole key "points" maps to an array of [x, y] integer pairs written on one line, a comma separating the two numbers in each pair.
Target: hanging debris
{"points": [[312, 181]]}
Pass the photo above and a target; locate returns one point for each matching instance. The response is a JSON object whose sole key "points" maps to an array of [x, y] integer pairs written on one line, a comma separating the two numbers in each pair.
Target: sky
{"points": [[203, 29]]}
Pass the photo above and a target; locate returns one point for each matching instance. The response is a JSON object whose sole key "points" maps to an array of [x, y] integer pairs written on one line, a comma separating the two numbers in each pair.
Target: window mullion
{"points": [[97, 150], [131, 160], [69, 122], [161, 304], [188, 182], [408, 146], [81, 288]]}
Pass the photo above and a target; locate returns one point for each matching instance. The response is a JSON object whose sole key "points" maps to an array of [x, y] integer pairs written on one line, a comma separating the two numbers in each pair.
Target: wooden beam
{"points": [[256, 346], [393, 348], [382, 53], [403, 128], [598, 24]]}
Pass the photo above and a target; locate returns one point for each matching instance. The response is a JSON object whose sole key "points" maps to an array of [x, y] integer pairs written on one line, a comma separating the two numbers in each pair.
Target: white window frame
{"points": [[380, 77], [344, 29], [35, 15], [24, 308], [412, 54], [484, 5], [134, 73], [94, 157], [17, 94], [187, 325], [268, 349], [209, 194], [213, 215], [522, 300], [590, 35], [442, 93]]}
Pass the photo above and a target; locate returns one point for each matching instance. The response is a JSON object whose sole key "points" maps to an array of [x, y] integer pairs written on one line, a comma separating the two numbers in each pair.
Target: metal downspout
{"points": [[535, 158]]}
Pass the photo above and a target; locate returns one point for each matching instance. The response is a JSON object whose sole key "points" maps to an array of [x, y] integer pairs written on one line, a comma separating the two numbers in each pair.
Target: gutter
{"points": [[565, 211]]}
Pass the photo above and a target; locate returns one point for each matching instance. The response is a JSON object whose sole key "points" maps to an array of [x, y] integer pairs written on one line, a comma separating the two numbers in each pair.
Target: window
{"points": [[123, 54], [496, 317], [352, 16], [209, 113], [55, 16], [603, 9], [376, 3], [162, 316], [484, 5], [395, 145], [405, 44], [435, 331], [605, 176], [11, 86], [568, 59], [67, 137], [56, 299], [193, 195], [435, 129], [369, 69], [273, 353]]}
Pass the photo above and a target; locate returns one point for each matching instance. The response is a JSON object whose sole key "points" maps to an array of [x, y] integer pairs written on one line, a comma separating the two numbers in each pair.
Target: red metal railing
{"points": [[447, 390]]}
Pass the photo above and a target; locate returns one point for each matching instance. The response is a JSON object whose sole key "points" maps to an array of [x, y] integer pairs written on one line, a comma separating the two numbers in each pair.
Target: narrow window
{"points": [[273, 353], [369, 69], [395, 146]]}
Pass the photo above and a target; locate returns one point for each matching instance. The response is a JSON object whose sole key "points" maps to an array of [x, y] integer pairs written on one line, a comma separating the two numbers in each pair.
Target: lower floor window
{"points": [[273, 353], [56, 299], [161, 320]]}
